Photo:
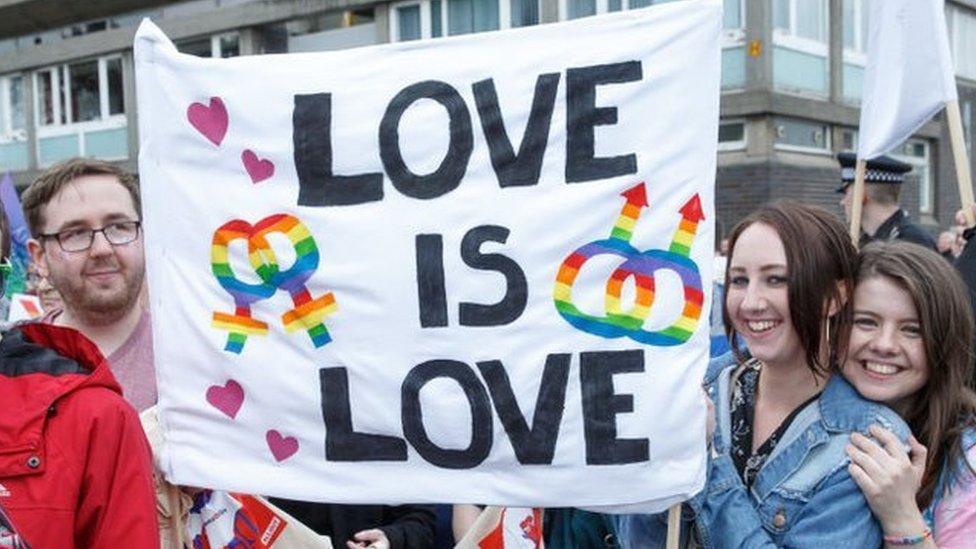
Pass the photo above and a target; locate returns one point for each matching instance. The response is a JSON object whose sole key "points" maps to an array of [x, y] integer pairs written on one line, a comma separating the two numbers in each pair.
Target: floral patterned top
{"points": [[743, 409]]}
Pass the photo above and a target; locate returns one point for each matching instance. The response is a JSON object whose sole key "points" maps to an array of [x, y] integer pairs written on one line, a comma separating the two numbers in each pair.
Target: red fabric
{"points": [[74, 461]]}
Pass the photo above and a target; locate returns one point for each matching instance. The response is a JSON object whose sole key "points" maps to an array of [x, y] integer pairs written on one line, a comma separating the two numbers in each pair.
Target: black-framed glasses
{"points": [[79, 240]]}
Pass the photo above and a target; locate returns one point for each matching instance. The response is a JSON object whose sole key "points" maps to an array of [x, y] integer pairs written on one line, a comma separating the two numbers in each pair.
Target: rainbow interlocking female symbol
{"points": [[641, 266], [308, 312]]}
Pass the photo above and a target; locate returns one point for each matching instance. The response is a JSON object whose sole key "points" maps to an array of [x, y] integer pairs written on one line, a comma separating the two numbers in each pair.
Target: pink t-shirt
{"points": [[132, 363], [955, 516]]}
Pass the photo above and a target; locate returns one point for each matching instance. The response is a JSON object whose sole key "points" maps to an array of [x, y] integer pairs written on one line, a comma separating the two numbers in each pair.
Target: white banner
{"points": [[461, 270], [909, 76]]}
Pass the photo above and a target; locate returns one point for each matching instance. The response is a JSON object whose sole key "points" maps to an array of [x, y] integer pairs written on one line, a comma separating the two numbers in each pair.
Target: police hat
{"points": [[883, 169]]}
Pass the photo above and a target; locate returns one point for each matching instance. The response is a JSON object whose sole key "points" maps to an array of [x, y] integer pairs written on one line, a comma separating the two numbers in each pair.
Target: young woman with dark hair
{"points": [[911, 347], [777, 472]]}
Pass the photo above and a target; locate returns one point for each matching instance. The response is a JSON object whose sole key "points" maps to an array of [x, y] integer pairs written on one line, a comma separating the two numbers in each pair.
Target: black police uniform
{"points": [[885, 170], [898, 226]]}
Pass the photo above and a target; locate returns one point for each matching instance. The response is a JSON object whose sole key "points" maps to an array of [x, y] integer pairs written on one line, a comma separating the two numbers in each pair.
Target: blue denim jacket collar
{"points": [[839, 409]]}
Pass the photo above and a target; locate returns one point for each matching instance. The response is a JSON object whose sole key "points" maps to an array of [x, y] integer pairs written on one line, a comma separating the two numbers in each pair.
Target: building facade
{"points": [[791, 79]]}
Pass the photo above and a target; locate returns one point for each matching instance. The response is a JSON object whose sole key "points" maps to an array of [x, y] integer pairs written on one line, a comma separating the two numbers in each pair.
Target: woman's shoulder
{"points": [[718, 364], [844, 409]]}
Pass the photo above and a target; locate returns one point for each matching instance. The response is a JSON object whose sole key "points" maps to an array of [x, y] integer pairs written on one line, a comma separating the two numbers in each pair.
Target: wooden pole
{"points": [[963, 174], [674, 526], [857, 200]]}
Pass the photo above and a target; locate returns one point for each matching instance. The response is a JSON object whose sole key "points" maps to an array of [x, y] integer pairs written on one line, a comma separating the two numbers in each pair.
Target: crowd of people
{"points": [[843, 409]]}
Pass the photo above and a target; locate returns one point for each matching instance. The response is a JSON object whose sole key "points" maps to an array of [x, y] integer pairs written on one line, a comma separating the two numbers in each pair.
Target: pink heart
{"points": [[210, 121], [258, 168], [227, 398], [282, 447]]}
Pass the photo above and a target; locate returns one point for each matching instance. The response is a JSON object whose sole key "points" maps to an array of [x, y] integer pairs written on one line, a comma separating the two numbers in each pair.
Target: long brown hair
{"points": [[820, 269], [941, 409]]}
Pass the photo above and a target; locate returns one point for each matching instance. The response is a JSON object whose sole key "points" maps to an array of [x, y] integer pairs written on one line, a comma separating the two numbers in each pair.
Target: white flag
{"points": [[909, 75]]}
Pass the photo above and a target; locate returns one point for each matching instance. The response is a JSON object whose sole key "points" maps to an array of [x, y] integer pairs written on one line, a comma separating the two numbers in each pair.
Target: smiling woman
{"points": [[911, 347], [776, 473]]}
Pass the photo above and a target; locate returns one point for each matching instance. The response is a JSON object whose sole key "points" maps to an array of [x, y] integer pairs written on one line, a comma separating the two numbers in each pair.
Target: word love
{"points": [[319, 185], [641, 266], [533, 436], [308, 313]]}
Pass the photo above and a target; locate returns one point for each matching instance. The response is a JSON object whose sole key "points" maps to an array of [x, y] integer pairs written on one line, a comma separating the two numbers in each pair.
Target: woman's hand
{"points": [[374, 539], [889, 479], [962, 221]]}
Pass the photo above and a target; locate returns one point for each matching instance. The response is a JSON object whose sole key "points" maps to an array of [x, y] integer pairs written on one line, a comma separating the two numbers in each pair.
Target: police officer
{"points": [[881, 217]]}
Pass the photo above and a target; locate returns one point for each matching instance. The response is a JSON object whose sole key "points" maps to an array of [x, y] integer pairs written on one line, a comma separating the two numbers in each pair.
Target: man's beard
{"points": [[99, 306]]}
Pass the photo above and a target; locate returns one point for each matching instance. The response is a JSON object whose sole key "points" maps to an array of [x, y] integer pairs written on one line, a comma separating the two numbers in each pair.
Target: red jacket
{"points": [[75, 466]]}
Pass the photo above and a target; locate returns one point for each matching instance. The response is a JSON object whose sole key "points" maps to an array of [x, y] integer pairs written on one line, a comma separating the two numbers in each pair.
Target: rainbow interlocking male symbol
{"points": [[641, 266], [308, 312]]}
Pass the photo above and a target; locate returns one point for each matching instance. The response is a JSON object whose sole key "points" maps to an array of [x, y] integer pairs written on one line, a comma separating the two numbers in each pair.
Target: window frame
{"points": [[926, 188], [61, 105], [739, 145], [730, 37], [426, 18], [790, 39], [216, 50], [736, 36], [955, 13], [826, 150], [7, 132], [858, 55]]}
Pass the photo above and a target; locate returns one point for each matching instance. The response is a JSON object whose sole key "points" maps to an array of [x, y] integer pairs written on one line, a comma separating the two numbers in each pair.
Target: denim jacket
{"points": [[802, 497]]}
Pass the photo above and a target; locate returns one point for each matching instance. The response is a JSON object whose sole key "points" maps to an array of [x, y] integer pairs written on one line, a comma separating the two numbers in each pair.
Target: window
{"points": [[733, 35], [333, 30], [731, 135], [80, 111], [408, 23], [221, 45], [14, 152], [574, 9], [848, 140], [855, 48], [916, 153], [800, 46], [430, 18], [793, 134], [81, 29], [734, 45], [962, 37]]}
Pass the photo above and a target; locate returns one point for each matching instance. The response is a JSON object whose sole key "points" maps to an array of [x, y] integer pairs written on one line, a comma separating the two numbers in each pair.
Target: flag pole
{"points": [[674, 526], [963, 174], [857, 200]]}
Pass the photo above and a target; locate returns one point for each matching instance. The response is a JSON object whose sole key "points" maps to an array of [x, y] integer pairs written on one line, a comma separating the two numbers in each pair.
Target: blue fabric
{"points": [[443, 534], [803, 496], [571, 528], [719, 346]]}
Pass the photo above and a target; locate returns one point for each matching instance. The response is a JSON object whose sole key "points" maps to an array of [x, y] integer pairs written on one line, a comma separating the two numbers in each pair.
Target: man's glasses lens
{"points": [[78, 240]]}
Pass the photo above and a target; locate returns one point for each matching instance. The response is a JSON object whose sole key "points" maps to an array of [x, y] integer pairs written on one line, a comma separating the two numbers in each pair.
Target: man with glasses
{"points": [[75, 467], [85, 218]]}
